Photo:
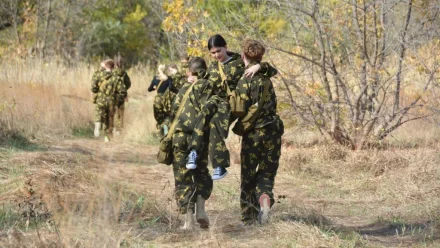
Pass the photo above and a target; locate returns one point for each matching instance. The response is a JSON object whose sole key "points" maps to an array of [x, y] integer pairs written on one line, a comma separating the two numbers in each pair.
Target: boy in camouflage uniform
{"points": [[97, 78], [261, 143], [120, 110], [111, 93], [192, 187]]}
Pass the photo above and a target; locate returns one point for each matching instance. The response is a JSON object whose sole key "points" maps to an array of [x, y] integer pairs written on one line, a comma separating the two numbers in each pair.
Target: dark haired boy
{"points": [[192, 187]]}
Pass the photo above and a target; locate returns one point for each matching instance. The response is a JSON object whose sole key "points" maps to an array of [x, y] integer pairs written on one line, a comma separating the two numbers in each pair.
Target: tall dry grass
{"points": [[47, 101]]}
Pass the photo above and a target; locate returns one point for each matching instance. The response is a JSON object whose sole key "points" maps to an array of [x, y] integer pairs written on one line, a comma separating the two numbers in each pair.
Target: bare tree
{"points": [[358, 59]]}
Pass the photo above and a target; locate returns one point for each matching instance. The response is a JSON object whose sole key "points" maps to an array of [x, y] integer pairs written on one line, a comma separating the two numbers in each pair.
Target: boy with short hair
{"points": [[111, 93], [261, 129], [193, 187]]}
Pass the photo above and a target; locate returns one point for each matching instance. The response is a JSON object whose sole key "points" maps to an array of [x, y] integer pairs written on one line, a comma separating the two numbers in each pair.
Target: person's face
{"points": [[219, 53], [172, 71]]}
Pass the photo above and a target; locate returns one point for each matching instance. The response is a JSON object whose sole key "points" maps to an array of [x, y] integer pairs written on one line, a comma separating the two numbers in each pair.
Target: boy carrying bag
{"points": [[165, 154]]}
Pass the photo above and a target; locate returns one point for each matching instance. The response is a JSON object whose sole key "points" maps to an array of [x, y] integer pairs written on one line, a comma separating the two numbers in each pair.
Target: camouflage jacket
{"points": [[233, 69], [97, 77], [251, 91], [202, 90], [125, 78], [178, 81], [111, 90]]}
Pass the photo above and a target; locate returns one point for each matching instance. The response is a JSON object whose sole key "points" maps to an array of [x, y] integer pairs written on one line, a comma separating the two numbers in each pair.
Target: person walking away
{"points": [[111, 93], [192, 187], [161, 83], [261, 129], [97, 78], [120, 110]]}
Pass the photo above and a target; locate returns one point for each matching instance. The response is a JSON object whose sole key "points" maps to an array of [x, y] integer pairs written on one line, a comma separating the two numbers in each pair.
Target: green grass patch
{"points": [[83, 131], [17, 142], [151, 140], [9, 218]]}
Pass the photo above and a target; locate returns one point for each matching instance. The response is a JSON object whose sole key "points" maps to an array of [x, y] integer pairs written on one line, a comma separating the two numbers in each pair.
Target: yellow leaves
{"points": [[186, 18], [135, 16]]}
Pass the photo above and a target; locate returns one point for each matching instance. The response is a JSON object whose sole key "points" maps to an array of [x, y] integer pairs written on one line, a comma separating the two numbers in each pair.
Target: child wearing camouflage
{"points": [[97, 78], [111, 93], [120, 110], [261, 141], [192, 187], [161, 83], [233, 68]]}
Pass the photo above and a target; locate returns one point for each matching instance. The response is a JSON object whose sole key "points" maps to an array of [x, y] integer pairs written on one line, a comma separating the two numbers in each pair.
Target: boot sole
{"points": [[204, 224], [263, 216]]}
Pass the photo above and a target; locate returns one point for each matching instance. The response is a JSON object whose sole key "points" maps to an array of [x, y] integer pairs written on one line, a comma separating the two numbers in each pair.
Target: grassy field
{"points": [[60, 187]]}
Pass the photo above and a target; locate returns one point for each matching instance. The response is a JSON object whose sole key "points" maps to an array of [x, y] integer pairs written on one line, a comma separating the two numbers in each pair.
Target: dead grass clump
{"points": [[48, 100], [140, 123], [332, 152], [376, 162]]}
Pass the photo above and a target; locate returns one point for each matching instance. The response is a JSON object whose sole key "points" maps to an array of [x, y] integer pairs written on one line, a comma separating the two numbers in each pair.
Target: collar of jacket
{"points": [[202, 74], [107, 74], [251, 64], [234, 56]]}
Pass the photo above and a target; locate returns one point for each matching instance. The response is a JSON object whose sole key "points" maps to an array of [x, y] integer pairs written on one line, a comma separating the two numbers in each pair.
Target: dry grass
{"points": [[84, 193], [48, 101]]}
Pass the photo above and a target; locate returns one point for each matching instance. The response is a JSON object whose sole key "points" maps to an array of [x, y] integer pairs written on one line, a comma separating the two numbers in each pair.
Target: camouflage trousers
{"points": [[161, 114], [213, 121], [119, 118], [158, 109], [105, 114], [260, 154], [189, 183]]}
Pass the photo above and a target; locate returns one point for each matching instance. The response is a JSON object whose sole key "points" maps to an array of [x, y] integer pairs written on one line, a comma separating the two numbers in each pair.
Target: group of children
{"points": [[109, 87], [234, 87]]}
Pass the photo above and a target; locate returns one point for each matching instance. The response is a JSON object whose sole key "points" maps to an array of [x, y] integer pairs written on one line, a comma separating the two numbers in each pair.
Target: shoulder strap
{"points": [[103, 84], [262, 101], [223, 76], [179, 111], [159, 84]]}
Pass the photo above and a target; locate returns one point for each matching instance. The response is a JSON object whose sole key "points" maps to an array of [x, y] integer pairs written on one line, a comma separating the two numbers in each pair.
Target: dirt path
{"points": [[300, 218]]}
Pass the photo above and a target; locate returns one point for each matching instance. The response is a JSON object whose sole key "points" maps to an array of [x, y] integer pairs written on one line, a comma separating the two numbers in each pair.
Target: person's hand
{"points": [[250, 72], [192, 79]]}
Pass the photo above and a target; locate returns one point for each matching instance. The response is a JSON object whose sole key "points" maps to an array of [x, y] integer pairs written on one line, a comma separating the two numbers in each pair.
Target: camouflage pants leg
{"points": [[119, 120], [201, 125], [99, 114], [218, 132], [160, 115], [106, 113], [260, 154], [189, 183], [110, 120], [158, 110]]}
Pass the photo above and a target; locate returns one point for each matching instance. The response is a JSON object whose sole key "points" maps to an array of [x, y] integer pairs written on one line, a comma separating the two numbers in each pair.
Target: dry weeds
{"points": [[84, 193]]}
